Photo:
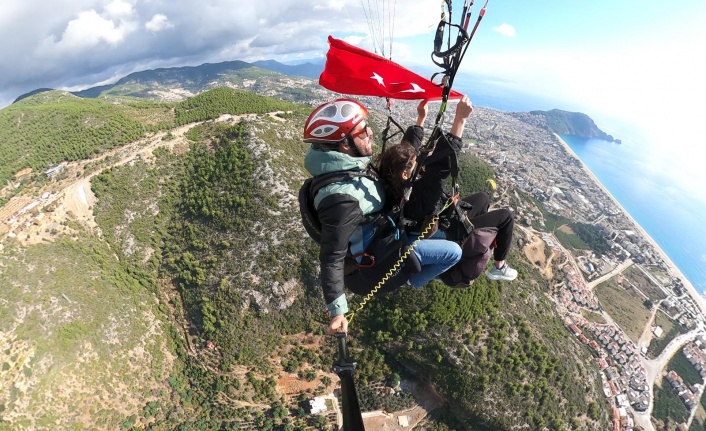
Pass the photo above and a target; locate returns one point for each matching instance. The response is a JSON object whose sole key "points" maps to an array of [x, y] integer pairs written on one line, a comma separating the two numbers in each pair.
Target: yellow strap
{"points": [[397, 264]]}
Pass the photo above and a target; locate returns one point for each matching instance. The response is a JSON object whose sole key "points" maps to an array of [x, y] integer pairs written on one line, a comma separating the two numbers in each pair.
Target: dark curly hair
{"points": [[392, 163]]}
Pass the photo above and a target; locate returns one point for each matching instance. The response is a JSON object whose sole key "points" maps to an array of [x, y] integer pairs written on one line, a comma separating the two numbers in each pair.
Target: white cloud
{"points": [[80, 42], [505, 29], [158, 23], [357, 40], [119, 9], [89, 29]]}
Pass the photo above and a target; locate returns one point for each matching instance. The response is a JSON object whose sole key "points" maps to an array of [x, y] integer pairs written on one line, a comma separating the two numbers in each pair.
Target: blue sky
{"points": [[636, 67]]}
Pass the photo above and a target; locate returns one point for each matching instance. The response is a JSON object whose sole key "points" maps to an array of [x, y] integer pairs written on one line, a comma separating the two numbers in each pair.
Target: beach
{"points": [[691, 290]]}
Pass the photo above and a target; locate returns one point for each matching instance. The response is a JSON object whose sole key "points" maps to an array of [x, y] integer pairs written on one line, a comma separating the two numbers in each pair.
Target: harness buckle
{"points": [[363, 254]]}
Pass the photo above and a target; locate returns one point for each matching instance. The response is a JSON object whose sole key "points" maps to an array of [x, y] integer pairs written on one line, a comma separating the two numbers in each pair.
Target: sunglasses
{"points": [[365, 130]]}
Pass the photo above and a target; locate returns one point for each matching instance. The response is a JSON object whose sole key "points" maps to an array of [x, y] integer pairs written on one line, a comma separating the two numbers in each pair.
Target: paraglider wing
{"points": [[352, 70], [491, 184]]}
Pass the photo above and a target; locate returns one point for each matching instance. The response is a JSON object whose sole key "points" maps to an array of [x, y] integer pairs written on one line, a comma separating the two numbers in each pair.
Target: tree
{"points": [[319, 422], [395, 380], [279, 411]]}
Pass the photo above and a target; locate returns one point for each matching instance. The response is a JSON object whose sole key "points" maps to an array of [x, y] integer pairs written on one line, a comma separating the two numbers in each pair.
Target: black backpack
{"points": [[311, 187], [381, 254]]}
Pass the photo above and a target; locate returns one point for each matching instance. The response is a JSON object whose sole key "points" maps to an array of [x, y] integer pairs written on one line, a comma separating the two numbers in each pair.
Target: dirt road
{"points": [[40, 215]]}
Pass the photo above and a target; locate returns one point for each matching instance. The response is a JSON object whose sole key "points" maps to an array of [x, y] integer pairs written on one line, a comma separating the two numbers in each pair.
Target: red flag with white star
{"points": [[351, 70]]}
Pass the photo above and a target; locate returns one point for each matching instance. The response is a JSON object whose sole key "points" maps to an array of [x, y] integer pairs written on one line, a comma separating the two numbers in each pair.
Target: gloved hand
{"points": [[466, 206]]}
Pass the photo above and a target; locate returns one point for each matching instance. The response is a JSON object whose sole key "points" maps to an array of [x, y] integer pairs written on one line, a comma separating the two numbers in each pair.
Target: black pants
{"points": [[501, 219]]}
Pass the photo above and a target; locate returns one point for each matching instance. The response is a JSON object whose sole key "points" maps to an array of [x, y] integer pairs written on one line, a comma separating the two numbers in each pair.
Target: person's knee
{"points": [[455, 251], [506, 215]]}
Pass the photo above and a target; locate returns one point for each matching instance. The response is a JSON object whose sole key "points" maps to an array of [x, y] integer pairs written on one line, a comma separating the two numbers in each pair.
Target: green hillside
{"points": [[211, 104], [84, 343], [198, 292], [48, 128], [51, 127], [572, 123]]}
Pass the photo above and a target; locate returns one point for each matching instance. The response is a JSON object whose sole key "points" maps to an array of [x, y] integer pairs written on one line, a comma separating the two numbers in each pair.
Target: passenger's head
{"points": [[396, 164], [340, 125]]}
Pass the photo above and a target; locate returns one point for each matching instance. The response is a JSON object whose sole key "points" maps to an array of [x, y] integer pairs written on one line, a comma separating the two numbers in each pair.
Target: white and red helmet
{"points": [[333, 121]]}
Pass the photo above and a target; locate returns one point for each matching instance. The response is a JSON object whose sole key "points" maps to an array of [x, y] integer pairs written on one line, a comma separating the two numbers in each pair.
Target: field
{"points": [[670, 330], [593, 317], [683, 367], [569, 239], [667, 405], [636, 278], [625, 306]]}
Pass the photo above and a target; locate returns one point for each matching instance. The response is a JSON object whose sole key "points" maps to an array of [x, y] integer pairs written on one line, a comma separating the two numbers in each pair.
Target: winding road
{"points": [[653, 371]]}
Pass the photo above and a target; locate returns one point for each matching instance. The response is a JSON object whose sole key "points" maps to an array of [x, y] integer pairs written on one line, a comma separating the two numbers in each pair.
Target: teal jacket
{"points": [[342, 209]]}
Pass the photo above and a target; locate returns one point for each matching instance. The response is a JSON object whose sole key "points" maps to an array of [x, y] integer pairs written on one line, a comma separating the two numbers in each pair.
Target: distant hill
{"points": [[178, 83], [307, 70], [193, 78], [33, 92], [573, 123]]}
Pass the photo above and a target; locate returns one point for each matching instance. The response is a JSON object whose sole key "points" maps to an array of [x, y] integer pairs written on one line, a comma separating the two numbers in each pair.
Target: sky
{"points": [[636, 67]]}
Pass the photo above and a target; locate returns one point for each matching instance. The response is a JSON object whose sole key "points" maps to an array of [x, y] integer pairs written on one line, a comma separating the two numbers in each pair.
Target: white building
{"points": [[318, 405]]}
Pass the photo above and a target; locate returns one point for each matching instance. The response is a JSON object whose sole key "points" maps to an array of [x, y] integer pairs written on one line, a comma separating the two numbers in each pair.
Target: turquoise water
{"points": [[672, 218], [650, 188]]}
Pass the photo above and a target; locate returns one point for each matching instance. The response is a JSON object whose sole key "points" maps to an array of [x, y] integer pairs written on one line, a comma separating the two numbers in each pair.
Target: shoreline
{"points": [[672, 268]]}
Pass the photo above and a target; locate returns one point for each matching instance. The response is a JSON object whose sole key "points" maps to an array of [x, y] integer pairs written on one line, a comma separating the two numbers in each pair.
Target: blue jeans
{"points": [[436, 256]]}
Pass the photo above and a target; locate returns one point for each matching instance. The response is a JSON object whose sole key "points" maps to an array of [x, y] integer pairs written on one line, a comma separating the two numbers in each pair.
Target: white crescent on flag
{"points": [[415, 89]]}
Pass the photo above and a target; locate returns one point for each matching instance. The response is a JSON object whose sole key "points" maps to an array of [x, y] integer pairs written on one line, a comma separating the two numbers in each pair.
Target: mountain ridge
{"points": [[573, 123], [245, 281], [228, 238], [185, 81]]}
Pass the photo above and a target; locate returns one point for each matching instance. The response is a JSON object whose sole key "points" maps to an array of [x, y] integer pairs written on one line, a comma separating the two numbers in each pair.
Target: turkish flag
{"points": [[351, 70]]}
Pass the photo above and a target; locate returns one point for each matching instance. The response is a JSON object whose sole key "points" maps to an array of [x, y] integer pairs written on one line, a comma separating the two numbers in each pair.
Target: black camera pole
{"points": [[344, 368]]}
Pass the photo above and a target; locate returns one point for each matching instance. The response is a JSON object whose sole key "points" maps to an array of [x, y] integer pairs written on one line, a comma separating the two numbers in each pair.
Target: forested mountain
{"points": [[308, 70], [189, 292], [572, 123], [179, 83], [55, 126], [193, 78]]}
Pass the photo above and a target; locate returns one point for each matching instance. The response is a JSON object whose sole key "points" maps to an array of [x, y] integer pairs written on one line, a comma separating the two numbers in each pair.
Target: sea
{"points": [[653, 193]]}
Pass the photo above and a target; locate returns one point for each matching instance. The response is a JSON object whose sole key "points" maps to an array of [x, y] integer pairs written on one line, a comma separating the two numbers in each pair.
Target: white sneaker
{"points": [[505, 273]]}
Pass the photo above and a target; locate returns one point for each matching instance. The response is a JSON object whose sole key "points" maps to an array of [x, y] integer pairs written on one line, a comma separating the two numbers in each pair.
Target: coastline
{"points": [[690, 289]]}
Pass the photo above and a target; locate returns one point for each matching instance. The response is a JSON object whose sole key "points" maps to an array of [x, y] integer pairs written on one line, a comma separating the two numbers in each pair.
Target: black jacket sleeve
{"points": [[414, 135], [428, 190], [339, 215]]}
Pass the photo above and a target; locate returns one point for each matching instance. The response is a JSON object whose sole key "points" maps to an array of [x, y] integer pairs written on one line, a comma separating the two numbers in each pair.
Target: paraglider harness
{"points": [[450, 61], [453, 216], [388, 236]]}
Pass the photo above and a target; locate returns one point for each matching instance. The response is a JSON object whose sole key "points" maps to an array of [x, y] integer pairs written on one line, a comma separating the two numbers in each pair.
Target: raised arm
{"points": [[422, 111], [463, 111]]}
